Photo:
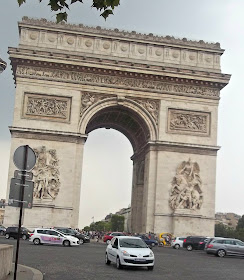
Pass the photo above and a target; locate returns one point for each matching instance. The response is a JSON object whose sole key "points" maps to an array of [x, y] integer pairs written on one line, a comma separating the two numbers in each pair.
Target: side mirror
{"points": [[109, 242]]}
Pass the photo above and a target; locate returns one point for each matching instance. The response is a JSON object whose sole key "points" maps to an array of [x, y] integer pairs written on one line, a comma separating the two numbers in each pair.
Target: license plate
{"points": [[139, 260]]}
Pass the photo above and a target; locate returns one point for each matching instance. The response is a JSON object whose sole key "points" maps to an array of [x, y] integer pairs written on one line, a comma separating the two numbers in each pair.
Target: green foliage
{"points": [[99, 226], [61, 6], [225, 231], [117, 223], [240, 225]]}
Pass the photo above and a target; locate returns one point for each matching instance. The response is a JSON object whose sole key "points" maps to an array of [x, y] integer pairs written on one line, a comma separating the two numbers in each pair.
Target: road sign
{"points": [[24, 158], [18, 175], [15, 193]]}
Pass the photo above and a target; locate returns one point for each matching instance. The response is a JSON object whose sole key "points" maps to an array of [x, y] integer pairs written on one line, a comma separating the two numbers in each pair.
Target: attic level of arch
{"points": [[20, 57]]}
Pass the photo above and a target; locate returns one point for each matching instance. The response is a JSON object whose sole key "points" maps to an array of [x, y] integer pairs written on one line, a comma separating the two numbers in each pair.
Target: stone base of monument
{"points": [[189, 222]]}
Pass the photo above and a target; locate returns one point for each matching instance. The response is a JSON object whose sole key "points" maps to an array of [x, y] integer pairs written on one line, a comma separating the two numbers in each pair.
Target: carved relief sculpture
{"points": [[186, 191], [46, 174], [188, 121], [88, 99], [44, 106]]}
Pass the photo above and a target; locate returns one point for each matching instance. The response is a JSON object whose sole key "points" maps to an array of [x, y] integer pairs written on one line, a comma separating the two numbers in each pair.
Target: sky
{"points": [[107, 151]]}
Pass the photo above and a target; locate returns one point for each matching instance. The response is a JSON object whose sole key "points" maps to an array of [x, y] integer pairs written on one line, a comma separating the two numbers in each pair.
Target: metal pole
{"points": [[21, 209]]}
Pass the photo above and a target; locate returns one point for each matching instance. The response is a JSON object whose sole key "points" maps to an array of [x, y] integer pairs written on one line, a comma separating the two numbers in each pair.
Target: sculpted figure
{"points": [[186, 191], [46, 174]]}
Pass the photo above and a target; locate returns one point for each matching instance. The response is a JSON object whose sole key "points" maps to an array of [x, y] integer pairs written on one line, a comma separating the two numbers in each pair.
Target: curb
{"points": [[37, 275]]}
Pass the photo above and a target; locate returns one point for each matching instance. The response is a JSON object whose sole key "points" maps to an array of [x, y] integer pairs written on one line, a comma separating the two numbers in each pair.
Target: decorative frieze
{"points": [[186, 191], [43, 106], [190, 122], [46, 174], [116, 81]]}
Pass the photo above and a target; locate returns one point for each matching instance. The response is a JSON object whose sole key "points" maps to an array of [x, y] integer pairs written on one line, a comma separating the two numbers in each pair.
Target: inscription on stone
{"points": [[190, 122]]}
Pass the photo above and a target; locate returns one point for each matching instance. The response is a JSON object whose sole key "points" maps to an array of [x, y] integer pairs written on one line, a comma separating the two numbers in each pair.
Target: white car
{"points": [[177, 242], [129, 251], [51, 236]]}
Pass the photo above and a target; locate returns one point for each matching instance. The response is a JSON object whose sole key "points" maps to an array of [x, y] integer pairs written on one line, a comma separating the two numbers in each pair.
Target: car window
{"points": [[239, 243], [116, 242], [219, 241], [52, 232], [182, 238], [132, 243], [229, 242], [40, 231]]}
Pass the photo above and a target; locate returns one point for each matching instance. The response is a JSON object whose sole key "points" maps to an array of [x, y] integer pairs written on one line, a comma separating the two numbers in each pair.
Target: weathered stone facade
{"points": [[160, 92]]}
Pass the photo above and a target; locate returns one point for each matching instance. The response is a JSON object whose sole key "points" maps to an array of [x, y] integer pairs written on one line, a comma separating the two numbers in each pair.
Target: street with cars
{"points": [[87, 261]]}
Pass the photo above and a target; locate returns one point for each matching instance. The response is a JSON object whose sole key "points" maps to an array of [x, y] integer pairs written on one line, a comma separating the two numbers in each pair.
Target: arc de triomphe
{"points": [[160, 92]]}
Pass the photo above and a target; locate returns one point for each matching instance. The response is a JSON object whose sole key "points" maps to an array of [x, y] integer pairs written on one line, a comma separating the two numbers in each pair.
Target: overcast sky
{"points": [[107, 152]]}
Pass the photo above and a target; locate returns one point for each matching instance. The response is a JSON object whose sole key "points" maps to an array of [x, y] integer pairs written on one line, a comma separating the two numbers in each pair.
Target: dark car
{"points": [[13, 232], [69, 231], [2, 230], [195, 242], [149, 241]]}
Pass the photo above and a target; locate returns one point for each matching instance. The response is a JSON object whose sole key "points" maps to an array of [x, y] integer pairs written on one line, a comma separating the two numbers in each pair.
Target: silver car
{"points": [[225, 246]]}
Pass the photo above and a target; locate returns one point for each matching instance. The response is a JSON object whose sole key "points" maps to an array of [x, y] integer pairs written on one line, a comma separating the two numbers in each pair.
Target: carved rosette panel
{"points": [[152, 106], [186, 187], [190, 122], [115, 81], [46, 174], [43, 106], [88, 99]]}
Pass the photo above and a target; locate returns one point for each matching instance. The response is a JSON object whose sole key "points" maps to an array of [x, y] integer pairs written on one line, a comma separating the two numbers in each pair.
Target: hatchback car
{"points": [[129, 251], [13, 232], [148, 241], [51, 236], [177, 242], [194, 242], [69, 231], [108, 237], [225, 246]]}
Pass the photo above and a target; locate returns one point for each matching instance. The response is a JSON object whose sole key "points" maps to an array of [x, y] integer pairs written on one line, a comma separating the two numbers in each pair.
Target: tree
{"points": [[117, 223], [62, 6], [240, 224]]}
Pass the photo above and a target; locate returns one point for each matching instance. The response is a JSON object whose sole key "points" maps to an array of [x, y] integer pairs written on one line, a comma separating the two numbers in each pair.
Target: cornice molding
{"points": [[45, 134], [116, 33]]}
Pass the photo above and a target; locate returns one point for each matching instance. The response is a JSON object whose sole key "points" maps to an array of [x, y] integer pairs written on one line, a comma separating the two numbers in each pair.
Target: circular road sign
{"points": [[19, 158]]}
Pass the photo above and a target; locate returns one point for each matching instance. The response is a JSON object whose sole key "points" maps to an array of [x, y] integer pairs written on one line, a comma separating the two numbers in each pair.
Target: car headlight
{"points": [[125, 253], [151, 254]]}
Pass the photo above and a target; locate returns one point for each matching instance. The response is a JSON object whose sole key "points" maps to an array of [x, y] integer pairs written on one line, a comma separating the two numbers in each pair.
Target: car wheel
{"points": [[189, 248], [24, 237], [36, 241], [150, 267], [81, 241], [107, 261], [66, 243], [7, 236], [153, 244], [118, 264], [177, 246], [1, 232], [221, 253], [108, 241]]}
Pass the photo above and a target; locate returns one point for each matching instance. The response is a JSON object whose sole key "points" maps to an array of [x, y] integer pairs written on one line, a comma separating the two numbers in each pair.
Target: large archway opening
{"points": [[107, 175], [110, 180]]}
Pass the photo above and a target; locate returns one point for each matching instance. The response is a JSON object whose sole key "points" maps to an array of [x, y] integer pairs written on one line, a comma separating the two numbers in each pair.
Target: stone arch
{"points": [[140, 129]]}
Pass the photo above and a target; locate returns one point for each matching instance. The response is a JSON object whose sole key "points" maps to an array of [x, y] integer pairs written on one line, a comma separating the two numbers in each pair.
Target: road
{"points": [[87, 262]]}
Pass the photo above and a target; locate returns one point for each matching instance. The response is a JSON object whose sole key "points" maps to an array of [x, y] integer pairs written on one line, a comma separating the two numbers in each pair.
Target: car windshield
{"points": [[132, 243]]}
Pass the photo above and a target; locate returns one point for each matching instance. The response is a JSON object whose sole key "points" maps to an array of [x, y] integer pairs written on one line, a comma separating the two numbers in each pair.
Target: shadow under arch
{"points": [[124, 115]]}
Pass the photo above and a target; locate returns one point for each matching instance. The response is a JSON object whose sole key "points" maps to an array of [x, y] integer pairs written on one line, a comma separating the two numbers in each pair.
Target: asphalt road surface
{"points": [[87, 262]]}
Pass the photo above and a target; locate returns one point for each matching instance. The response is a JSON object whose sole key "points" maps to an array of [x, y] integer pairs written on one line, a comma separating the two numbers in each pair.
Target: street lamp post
{"points": [[3, 65]]}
